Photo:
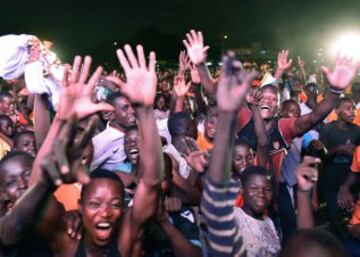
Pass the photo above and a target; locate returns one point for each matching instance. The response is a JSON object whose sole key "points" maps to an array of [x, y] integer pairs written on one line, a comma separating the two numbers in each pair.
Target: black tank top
{"points": [[111, 250]]}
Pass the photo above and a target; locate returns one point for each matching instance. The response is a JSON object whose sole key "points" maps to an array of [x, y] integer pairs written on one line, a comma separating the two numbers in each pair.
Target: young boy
{"points": [[25, 141], [340, 151], [6, 133]]}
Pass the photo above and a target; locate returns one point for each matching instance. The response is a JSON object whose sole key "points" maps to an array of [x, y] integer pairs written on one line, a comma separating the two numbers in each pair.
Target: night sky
{"points": [[90, 27]]}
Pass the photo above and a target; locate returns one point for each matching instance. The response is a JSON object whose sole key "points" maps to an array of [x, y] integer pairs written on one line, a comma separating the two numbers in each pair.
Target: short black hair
{"points": [[113, 96], [176, 123], [303, 242], [271, 87], [342, 100], [18, 135], [254, 170], [103, 174], [11, 155]]}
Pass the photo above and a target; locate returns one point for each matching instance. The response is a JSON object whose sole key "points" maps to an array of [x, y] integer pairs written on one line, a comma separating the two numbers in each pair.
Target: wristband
{"points": [[335, 91]]}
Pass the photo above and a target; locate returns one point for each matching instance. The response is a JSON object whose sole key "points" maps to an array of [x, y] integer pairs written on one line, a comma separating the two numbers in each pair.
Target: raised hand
{"points": [[342, 74], [141, 78], [253, 97], [198, 160], [77, 92], [180, 86], [184, 62], [283, 62], [234, 83], [63, 164], [195, 47], [307, 174], [301, 62]]}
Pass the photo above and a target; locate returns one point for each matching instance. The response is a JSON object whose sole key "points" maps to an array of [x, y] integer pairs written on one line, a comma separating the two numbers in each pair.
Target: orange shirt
{"points": [[203, 144], [355, 167], [69, 196]]}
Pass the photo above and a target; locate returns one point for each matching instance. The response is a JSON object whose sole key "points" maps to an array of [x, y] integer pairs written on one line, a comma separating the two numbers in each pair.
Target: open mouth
{"points": [[265, 107], [134, 153], [103, 230]]}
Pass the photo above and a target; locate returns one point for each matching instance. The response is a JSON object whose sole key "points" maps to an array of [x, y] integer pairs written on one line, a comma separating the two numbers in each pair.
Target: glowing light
{"points": [[225, 36], [347, 44]]}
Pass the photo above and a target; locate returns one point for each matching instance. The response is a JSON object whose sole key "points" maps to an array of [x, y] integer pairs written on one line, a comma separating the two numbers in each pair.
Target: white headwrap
{"points": [[13, 55]]}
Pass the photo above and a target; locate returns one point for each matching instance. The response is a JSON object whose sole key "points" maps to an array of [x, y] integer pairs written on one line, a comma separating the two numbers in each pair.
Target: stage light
{"points": [[347, 44]]}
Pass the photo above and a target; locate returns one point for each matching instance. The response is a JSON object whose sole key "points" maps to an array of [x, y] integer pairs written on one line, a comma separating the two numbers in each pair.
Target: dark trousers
{"points": [[286, 210]]}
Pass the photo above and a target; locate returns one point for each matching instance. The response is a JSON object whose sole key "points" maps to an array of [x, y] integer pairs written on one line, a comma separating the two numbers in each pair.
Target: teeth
{"points": [[103, 225], [134, 151]]}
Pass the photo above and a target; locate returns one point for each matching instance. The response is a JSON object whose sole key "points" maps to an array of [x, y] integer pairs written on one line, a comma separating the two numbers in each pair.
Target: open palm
{"points": [[77, 92], [342, 74], [195, 47], [141, 80]]}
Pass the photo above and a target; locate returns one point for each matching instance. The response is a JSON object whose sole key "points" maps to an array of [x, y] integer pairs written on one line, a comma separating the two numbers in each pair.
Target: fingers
{"points": [[190, 39], [152, 61], [50, 169], [75, 70], [123, 61], [85, 70], [141, 56], [86, 136], [116, 81], [94, 78], [130, 56], [82, 173]]}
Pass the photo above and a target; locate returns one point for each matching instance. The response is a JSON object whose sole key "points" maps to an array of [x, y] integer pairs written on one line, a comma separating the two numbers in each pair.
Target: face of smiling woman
{"points": [[102, 209]]}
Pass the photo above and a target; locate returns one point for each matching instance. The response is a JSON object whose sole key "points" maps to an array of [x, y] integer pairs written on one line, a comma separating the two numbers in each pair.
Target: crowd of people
{"points": [[245, 160]]}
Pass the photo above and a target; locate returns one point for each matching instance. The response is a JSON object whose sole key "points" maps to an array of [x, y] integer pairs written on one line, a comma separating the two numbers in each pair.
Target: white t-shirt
{"points": [[259, 236]]}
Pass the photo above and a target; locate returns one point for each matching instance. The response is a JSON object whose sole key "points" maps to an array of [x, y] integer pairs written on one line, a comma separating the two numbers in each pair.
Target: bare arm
{"points": [[307, 176], [42, 119], [140, 88], [198, 53], [283, 64], [262, 151], [16, 223], [339, 79]]}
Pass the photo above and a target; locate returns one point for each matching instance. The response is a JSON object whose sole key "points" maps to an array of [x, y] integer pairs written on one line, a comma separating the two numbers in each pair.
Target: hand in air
{"points": [[342, 74], [283, 62], [141, 80], [195, 47], [307, 173], [63, 163], [76, 95], [233, 85]]}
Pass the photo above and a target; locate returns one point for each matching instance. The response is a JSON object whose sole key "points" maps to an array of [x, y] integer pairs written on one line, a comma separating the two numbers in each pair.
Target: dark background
{"points": [[92, 27]]}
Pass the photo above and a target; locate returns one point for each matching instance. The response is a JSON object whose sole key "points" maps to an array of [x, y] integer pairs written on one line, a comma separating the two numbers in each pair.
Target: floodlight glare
{"points": [[347, 44]]}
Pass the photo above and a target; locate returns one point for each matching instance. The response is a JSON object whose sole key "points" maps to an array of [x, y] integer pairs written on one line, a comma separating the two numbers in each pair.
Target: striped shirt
{"points": [[222, 236]]}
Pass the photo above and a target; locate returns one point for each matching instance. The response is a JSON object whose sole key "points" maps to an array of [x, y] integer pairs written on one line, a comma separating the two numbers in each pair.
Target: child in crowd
{"points": [[6, 132]]}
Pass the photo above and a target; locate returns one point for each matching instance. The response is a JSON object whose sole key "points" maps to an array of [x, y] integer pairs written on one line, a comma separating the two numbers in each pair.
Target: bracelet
{"points": [[335, 91]]}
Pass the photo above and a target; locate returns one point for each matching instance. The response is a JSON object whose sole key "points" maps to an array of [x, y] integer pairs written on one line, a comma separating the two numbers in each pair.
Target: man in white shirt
{"points": [[109, 144]]}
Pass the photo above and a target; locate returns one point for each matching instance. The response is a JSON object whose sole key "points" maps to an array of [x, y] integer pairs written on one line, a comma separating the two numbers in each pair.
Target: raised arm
{"points": [[283, 63], [140, 88], [75, 98], [219, 195], [339, 78], [262, 152], [307, 176], [56, 168], [198, 52], [180, 89], [42, 119]]}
